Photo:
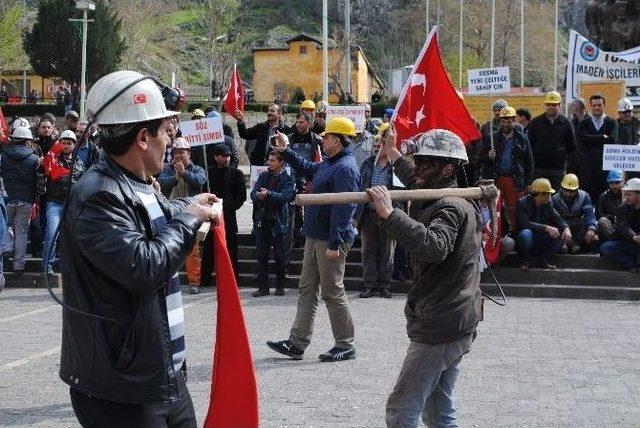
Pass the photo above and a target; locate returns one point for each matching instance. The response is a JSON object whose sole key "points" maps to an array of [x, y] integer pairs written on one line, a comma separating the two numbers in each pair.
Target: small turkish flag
{"points": [[235, 95], [139, 99], [429, 100]]}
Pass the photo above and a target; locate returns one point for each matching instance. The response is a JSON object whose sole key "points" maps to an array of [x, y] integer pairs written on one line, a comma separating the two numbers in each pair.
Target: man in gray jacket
{"points": [[444, 304]]}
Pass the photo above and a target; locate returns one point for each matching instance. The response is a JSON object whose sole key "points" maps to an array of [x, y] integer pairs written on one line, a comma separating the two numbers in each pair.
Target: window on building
{"points": [[303, 50]]}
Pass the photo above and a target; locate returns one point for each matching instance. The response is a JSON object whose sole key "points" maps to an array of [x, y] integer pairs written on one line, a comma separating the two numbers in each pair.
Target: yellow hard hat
{"points": [[552, 97], [508, 112], [570, 182], [340, 125], [382, 129], [198, 113], [541, 185], [308, 104]]}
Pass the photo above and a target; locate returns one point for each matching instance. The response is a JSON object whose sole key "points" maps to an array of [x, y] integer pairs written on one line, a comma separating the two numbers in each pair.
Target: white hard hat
{"points": [[625, 104], [68, 134], [20, 122], [22, 133], [139, 103], [632, 185], [439, 143]]}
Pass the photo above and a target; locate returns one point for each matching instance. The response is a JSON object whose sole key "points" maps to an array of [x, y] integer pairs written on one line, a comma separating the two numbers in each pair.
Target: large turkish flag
{"points": [[429, 100]]}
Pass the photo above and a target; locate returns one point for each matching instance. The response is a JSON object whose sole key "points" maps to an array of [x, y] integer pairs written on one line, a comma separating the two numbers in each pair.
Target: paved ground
{"points": [[536, 363]]}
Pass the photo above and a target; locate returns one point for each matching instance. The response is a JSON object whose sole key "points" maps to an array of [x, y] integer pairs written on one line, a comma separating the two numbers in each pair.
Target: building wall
{"points": [[46, 87], [281, 71]]}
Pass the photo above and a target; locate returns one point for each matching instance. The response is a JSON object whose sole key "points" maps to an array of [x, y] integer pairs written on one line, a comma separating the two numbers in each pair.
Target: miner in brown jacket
{"points": [[444, 304]]}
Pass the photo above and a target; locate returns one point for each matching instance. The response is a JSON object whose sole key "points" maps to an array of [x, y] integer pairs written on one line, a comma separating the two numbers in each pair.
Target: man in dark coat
{"points": [[595, 131], [228, 184], [263, 132]]}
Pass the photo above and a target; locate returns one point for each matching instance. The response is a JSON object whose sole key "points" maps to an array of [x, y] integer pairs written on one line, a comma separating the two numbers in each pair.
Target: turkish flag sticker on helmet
{"points": [[139, 99]]}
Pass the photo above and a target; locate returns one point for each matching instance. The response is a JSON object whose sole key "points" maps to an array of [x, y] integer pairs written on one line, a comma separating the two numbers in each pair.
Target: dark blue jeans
{"points": [[265, 238], [624, 253], [536, 245]]}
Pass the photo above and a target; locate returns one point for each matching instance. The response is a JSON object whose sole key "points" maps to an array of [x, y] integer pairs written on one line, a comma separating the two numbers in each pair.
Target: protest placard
{"points": [[489, 80], [202, 132], [355, 113], [620, 156]]}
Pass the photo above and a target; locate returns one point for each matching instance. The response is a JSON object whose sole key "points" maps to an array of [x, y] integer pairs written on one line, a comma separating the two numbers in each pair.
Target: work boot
{"points": [[285, 347], [543, 264], [368, 292], [194, 289], [386, 293], [338, 354], [261, 292]]}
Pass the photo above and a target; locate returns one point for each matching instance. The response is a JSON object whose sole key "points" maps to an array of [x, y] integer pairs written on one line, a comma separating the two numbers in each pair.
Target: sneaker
{"points": [[368, 292], [279, 291], [285, 347], [338, 354], [546, 265], [194, 289], [261, 292], [386, 293]]}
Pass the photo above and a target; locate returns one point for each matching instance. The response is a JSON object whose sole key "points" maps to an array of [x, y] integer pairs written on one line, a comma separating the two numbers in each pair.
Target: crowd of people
{"points": [[556, 197]]}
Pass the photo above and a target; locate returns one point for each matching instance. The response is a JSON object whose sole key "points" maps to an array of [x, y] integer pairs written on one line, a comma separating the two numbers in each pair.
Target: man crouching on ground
{"points": [[444, 304]]}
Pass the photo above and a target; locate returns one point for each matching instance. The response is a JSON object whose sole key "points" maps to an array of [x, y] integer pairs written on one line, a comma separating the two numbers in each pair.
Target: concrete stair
{"points": [[585, 276]]}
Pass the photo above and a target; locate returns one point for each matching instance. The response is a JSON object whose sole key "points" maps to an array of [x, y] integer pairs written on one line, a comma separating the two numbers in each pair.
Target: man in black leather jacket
{"points": [[121, 247]]}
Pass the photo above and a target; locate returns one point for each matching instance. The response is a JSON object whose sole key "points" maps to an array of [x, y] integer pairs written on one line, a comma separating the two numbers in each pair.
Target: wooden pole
{"points": [[489, 192]]}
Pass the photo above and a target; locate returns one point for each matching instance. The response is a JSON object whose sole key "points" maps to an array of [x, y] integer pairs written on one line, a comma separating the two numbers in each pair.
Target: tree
{"points": [[54, 45], [12, 20]]}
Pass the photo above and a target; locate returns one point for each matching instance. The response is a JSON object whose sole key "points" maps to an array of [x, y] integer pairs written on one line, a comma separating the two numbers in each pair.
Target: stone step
{"points": [[248, 280], [577, 277]]}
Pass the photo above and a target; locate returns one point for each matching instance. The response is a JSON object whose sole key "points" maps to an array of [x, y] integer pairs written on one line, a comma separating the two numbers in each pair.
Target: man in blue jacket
{"points": [[181, 177], [377, 244], [329, 235], [271, 195]]}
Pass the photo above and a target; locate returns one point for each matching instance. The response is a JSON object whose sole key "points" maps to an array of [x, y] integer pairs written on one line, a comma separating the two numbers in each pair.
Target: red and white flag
{"points": [[429, 100], [235, 95]]}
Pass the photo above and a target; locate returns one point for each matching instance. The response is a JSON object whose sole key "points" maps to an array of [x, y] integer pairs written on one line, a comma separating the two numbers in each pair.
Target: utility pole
{"points": [[522, 43], [555, 51], [325, 52], [426, 18], [493, 30], [84, 6], [347, 51], [460, 48]]}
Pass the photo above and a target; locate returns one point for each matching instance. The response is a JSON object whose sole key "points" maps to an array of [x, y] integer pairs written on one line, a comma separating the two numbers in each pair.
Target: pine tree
{"points": [[54, 45]]}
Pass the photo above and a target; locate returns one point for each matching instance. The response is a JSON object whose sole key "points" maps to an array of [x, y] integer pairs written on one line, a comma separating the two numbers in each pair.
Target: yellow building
{"points": [[277, 72], [13, 81]]}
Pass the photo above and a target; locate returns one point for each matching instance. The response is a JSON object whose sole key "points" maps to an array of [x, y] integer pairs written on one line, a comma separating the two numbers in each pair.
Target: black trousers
{"points": [[208, 256], [94, 412], [265, 238]]}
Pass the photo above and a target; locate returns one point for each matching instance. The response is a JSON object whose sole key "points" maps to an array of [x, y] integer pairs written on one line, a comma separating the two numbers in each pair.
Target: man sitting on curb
{"points": [[542, 230], [608, 204], [575, 207], [626, 250]]}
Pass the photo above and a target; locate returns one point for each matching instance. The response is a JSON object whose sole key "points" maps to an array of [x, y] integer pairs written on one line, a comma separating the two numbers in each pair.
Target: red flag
{"points": [[429, 100], [492, 248], [4, 129], [235, 95], [234, 394]]}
